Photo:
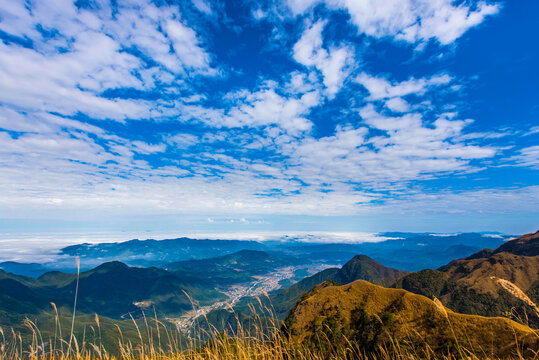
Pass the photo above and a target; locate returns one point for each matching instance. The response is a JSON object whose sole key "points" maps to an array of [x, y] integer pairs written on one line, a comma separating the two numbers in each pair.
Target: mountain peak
{"points": [[364, 267], [110, 266], [526, 245]]}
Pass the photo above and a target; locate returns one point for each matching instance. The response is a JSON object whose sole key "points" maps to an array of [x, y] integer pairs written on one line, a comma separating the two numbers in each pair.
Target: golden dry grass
{"points": [[156, 341], [262, 338]]}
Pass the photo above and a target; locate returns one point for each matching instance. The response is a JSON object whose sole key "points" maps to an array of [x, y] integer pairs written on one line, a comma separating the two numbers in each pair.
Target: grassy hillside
{"points": [[50, 328], [361, 313], [489, 283], [526, 245], [388, 324], [359, 267], [112, 289], [238, 267]]}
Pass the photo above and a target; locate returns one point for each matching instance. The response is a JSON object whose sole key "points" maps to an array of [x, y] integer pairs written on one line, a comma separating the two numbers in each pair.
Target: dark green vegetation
{"points": [[239, 267], [100, 330], [501, 282], [112, 289], [360, 267]]}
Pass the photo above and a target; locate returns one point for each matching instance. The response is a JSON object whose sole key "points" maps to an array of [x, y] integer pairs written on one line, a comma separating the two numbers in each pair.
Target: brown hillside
{"points": [[501, 282], [526, 245], [481, 274], [374, 316]]}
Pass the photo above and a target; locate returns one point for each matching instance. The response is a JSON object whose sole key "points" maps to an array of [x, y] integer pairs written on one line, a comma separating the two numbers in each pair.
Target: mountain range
{"points": [[112, 289], [405, 251], [238, 267], [359, 267], [500, 282], [369, 317], [481, 298]]}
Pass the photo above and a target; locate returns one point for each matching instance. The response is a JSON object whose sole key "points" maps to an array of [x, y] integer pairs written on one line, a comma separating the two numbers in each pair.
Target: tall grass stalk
{"points": [[260, 338], [74, 304]]}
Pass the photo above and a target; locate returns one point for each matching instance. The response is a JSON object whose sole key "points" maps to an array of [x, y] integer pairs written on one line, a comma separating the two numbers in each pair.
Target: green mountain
{"points": [[359, 267], [112, 289], [238, 267], [366, 317], [501, 282], [157, 252]]}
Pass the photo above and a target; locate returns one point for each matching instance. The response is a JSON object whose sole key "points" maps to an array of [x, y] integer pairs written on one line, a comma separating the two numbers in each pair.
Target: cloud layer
{"points": [[136, 107]]}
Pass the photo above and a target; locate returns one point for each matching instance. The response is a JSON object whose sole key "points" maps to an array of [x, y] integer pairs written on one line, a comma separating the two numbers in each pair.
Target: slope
{"points": [[112, 289], [359, 267], [501, 282], [233, 268], [370, 316]]}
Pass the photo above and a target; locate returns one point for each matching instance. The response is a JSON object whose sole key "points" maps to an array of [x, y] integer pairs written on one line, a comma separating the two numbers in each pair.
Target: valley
{"points": [[284, 284], [260, 288]]}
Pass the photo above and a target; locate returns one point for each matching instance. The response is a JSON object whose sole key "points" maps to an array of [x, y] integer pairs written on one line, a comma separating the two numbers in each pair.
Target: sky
{"points": [[252, 116]]}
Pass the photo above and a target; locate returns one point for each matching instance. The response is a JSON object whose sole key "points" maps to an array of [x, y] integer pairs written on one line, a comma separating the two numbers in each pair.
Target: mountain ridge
{"points": [[371, 316], [359, 267], [475, 284]]}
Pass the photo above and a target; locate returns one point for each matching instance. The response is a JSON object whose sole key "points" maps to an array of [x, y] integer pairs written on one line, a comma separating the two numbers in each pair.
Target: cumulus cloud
{"points": [[265, 106], [334, 64], [81, 53], [226, 146], [398, 104], [203, 6], [381, 88], [408, 20]]}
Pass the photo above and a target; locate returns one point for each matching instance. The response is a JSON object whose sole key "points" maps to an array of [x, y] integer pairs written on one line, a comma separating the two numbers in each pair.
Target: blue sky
{"points": [[337, 115]]}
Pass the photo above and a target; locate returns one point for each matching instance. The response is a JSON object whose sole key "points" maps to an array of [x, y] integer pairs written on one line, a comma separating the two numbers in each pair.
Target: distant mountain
{"points": [[414, 252], [238, 267], [112, 289], [405, 251], [501, 282], [157, 252], [25, 269], [368, 316], [359, 267]]}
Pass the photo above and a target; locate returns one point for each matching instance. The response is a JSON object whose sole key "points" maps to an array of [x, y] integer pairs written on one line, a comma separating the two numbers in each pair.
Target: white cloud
{"points": [[258, 14], [487, 135], [264, 107], [185, 43], [203, 6], [68, 71], [408, 20], [72, 172], [528, 156], [83, 167], [142, 147], [468, 202], [398, 104], [183, 140], [381, 88], [533, 130], [33, 81], [335, 64]]}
